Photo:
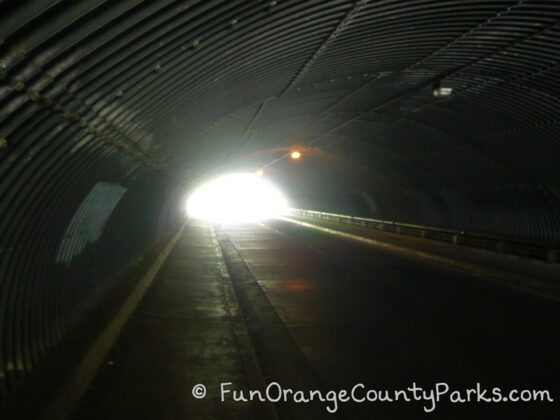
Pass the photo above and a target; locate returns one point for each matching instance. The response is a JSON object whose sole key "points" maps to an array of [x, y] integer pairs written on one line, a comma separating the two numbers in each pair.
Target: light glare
{"points": [[237, 198]]}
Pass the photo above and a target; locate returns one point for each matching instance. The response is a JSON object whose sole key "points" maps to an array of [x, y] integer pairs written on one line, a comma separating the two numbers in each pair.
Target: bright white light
{"points": [[442, 92], [237, 198]]}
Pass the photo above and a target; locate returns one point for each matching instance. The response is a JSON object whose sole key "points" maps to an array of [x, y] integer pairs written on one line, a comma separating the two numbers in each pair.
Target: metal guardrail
{"points": [[540, 250]]}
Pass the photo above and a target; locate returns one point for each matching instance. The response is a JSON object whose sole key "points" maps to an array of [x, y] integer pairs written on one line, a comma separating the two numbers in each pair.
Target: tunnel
{"points": [[414, 272]]}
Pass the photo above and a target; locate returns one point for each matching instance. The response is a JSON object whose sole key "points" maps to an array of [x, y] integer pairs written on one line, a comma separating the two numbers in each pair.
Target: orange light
{"points": [[295, 155]]}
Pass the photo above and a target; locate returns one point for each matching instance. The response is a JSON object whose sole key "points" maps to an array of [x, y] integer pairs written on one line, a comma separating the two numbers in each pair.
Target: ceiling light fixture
{"points": [[442, 89]]}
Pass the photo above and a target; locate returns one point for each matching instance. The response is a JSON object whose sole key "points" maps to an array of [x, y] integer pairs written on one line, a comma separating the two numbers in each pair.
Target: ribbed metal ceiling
{"points": [[151, 96]]}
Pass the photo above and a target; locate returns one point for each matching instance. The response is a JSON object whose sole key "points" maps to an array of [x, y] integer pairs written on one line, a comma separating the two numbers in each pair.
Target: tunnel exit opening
{"points": [[237, 198]]}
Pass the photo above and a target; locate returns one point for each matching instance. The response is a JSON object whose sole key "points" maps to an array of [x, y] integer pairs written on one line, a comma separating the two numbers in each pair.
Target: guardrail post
{"points": [[422, 233]]}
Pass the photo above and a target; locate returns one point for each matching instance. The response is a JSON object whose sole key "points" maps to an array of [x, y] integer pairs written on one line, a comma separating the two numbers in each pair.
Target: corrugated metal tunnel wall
{"points": [[109, 110]]}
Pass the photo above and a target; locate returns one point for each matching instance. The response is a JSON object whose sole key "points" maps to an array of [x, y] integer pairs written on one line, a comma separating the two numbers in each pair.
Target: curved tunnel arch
{"points": [[147, 98]]}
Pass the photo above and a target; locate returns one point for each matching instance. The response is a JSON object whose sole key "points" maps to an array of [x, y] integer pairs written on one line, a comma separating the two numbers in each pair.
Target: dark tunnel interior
{"points": [[434, 113]]}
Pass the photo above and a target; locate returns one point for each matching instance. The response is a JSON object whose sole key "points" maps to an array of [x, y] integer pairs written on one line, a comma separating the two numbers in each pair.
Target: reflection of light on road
{"points": [[237, 198], [299, 285], [271, 229]]}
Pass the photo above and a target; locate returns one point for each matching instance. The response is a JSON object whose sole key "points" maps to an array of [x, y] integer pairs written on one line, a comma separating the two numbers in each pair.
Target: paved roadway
{"points": [[325, 313]]}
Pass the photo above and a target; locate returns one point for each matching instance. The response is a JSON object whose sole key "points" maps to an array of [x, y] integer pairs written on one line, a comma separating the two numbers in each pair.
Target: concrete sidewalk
{"points": [[534, 276], [187, 330]]}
